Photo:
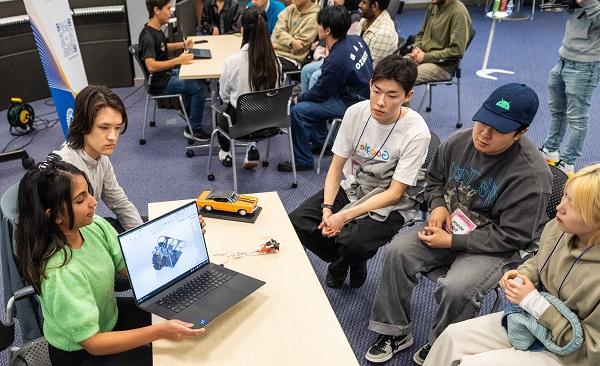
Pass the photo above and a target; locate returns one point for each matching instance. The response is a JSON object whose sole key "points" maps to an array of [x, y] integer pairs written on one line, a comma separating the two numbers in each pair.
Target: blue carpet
{"points": [[160, 171]]}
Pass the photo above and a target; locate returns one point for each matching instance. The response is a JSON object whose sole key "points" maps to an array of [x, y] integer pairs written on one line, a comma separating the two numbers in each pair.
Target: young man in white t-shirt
{"points": [[380, 149]]}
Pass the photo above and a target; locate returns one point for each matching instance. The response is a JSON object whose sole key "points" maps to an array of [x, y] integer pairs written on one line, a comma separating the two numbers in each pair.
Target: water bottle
{"points": [[509, 7]]}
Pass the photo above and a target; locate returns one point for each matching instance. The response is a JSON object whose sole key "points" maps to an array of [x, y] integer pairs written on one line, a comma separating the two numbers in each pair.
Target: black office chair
{"points": [[32, 353], [22, 303], [134, 49], [559, 178], [455, 77], [260, 115]]}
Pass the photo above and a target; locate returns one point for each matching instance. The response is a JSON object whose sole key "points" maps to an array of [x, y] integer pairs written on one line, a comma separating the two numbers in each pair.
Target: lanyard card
{"points": [[461, 224]]}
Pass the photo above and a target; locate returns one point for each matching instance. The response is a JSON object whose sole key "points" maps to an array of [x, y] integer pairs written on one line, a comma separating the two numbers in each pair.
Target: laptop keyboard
{"points": [[189, 293]]}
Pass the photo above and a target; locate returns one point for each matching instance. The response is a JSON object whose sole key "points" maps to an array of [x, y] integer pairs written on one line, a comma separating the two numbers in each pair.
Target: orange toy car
{"points": [[227, 201]]}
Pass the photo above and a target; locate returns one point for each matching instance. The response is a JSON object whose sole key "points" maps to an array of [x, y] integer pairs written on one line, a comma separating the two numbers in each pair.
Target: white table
{"points": [[286, 322], [484, 72]]}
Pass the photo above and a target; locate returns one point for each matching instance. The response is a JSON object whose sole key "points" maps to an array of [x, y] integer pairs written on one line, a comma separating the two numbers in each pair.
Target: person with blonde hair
{"points": [[567, 267]]}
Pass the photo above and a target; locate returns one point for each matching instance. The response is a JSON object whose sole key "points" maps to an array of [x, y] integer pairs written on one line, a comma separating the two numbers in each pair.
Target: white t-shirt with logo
{"points": [[407, 142]]}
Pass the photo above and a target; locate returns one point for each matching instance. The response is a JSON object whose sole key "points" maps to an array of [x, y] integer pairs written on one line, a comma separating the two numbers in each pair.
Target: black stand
{"points": [[249, 218], [26, 161]]}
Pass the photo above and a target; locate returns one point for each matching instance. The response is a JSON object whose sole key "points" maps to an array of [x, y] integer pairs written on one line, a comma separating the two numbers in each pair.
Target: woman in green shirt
{"points": [[71, 256]]}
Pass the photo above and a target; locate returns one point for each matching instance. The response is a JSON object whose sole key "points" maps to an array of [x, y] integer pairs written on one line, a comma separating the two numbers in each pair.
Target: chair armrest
{"points": [[23, 293], [219, 108]]}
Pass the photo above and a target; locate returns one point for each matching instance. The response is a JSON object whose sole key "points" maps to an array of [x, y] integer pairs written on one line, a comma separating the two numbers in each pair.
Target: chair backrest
{"points": [[395, 7], [186, 18], [260, 110], [134, 49], [559, 178], [27, 310], [434, 143]]}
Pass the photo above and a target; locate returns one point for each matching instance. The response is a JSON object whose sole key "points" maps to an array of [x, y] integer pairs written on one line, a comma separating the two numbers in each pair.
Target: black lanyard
{"points": [[384, 141], [570, 268]]}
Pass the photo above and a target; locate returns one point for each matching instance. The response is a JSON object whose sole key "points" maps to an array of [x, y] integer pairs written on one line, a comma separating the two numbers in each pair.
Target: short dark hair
{"points": [[383, 5], [150, 4], [337, 19], [402, 70], [88, 103], [351, 5]]}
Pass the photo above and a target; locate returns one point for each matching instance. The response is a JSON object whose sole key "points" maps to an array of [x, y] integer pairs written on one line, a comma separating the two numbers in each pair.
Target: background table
{"points": [[288, 321], [221, 47]]}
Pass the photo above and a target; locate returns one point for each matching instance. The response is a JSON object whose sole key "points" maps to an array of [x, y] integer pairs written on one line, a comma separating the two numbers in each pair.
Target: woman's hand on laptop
{"points": [[177, 330]]}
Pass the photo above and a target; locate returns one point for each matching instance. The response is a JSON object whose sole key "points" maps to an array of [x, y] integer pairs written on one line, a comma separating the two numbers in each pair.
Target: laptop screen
{"points": [[163, 251]]}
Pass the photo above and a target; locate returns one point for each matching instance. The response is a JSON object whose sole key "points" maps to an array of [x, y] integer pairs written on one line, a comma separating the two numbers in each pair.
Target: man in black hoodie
{"points": [[487, 190]]}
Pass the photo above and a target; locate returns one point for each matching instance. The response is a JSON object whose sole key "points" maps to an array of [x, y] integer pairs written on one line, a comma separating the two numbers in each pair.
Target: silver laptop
{"points": [[170, 272]]}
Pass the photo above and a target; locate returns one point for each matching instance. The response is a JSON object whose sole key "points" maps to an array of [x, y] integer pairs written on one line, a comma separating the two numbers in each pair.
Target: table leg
{"points": [[484, 72]]}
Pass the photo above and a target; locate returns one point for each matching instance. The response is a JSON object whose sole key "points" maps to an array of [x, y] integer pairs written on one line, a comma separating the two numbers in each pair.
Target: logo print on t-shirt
{"points": [[369, 152]]}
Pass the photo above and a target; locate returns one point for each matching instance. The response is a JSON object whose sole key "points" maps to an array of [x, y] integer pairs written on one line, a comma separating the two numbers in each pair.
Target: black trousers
{"points": [[358, 241], [130, 317]]}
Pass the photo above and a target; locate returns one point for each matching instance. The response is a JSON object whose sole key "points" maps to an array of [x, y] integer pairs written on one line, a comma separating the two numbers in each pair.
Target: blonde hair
{"points": [[586, 200]]}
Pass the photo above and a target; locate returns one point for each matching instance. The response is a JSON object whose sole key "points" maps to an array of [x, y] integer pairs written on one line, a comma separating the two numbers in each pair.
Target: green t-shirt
{"points": [[78, 299]]}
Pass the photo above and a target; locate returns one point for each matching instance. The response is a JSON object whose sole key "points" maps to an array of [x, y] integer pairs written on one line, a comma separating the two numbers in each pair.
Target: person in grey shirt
{"points": [[571, 84], [98, 120], [487, 189]]}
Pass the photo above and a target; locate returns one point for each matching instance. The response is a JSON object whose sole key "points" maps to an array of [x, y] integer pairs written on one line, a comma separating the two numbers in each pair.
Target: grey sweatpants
{"points": [[458, 293], [482, 341]]}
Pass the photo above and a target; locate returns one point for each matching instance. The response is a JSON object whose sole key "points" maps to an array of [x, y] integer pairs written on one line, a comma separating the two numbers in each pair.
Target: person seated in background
{"points": [[567, 267], [487, 189], [272, 8], [221, 17], [98, 121], [253, 68], [71, 257], [154, 54], [344, 81], [377, 28], [444, 35], [294, 32], [379, 150], [310, 72]]}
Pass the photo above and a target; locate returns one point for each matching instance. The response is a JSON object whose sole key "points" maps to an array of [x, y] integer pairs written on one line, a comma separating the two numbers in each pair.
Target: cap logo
{"points": [[503, 104]]}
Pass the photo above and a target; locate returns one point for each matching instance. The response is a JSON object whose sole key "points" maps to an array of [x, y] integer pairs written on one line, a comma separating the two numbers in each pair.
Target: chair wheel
{"points": [[265, 164], [189, 153], [294, 185], [427, 109], [459, 125], [211, 177], [142, 141], [152, 124], [27, 163]]}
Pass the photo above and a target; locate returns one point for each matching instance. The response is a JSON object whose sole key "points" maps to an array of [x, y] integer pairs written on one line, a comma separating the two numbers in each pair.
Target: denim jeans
{"points": [[196, 91], [458, 294], [309, 75], [309, 127], [571, 85]]}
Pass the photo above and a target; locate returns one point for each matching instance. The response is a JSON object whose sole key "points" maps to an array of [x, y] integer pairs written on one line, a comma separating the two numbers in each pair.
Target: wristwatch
{"points": [[326, 205]]}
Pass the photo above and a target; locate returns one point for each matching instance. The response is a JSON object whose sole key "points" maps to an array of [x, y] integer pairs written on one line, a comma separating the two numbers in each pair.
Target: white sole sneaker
{"points": [[402, 347], [550, 157]]}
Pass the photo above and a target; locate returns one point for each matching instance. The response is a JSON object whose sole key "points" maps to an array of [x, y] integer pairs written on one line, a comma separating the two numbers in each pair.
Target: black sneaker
{"points": [[387, 346], [286, 166], [198, 135], [252, 158], [335, 280], [421, 354], [358, 274]]}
